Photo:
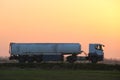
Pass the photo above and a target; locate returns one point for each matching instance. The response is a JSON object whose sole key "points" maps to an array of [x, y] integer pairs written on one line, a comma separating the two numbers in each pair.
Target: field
{"points": [[59, 71], [107, 70], [37, 74]]}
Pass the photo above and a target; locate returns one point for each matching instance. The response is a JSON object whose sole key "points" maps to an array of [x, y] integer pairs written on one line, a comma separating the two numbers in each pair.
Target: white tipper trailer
{"points": [[30, 52]]}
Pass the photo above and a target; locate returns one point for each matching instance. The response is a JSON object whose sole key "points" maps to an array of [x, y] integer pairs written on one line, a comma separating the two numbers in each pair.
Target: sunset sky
{"points": [[71, 21]]}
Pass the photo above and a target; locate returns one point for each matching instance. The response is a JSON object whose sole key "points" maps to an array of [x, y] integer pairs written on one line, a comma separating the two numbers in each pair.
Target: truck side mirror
{"points": [[103, 45]]}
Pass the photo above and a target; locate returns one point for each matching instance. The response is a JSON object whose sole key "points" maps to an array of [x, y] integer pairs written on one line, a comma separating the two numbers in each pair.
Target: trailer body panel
{"points": [[44, 48]]}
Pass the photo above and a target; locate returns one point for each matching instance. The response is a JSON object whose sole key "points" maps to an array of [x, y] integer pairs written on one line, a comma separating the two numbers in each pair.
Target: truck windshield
{"points": [[99, 47]]}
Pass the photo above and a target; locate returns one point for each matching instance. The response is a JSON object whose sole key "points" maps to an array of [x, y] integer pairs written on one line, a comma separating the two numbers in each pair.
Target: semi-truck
{"points": [[38, 52]]}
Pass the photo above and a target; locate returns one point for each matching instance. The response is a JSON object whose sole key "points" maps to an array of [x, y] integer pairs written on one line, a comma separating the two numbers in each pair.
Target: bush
{"points": [[57, 66]]}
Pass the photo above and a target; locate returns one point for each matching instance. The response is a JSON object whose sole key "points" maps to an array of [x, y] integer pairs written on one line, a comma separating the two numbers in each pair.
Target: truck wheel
{"points": [[94, 60]]}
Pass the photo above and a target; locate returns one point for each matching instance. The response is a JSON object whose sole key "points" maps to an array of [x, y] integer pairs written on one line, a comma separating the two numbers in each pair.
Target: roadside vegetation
{"points": [[113, 65], [12, 70], [38, 74], [106, 61], [60, 66]]}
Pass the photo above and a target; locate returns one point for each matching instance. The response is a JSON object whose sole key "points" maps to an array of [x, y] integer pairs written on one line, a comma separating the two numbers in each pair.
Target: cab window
{"points": [[98, 47]]}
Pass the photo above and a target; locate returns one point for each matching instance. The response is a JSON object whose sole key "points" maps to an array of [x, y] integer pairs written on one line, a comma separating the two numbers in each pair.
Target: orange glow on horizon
{"points": [[82, 21]]}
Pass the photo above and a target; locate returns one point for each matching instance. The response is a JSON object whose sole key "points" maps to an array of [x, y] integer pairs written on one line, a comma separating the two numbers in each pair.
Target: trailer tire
{"points": [[71, 59], [30, 60], [94, 60], [21, 60], [38, 60]]}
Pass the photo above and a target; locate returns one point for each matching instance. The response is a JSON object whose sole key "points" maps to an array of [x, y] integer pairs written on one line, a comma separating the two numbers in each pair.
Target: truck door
{"points": [[96, 52], [99, 52]]}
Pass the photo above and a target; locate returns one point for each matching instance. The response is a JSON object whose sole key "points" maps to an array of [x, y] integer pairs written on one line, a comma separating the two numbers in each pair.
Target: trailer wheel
{"points": [[62, 57], [21, 60], [30, 60], [71, 59], [38, 60], [94, 60]]}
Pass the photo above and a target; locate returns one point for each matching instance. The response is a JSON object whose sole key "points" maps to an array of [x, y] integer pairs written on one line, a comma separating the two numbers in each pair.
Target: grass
{"points": [[59, 71], [38, 74], [61, 66]]}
